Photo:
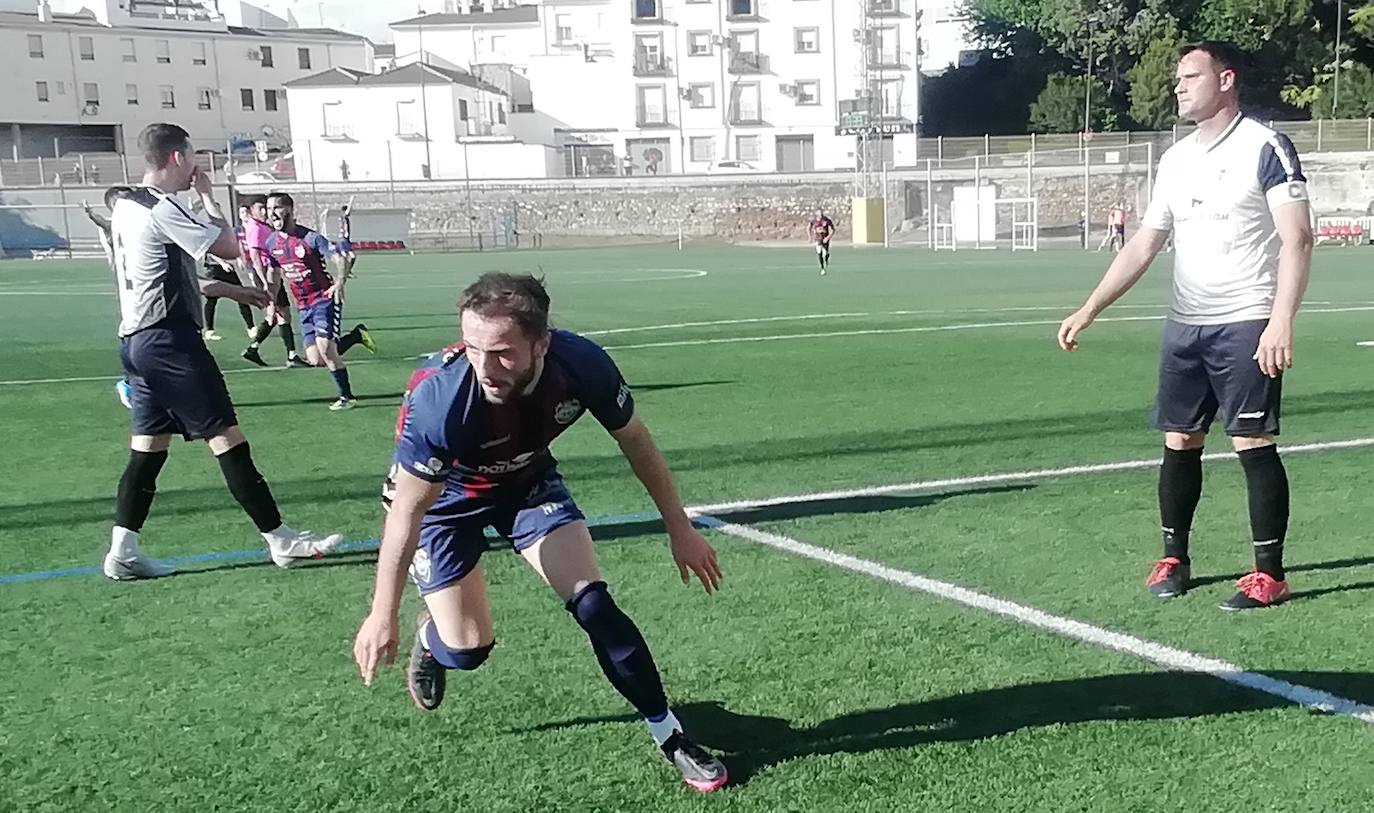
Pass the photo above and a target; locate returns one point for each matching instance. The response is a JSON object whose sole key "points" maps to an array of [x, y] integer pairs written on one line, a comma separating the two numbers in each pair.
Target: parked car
{"points": [[730, 168], [255, 176]]}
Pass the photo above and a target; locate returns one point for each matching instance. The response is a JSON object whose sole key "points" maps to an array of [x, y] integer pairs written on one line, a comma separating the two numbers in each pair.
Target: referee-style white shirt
{"points": [[1219, 199]]}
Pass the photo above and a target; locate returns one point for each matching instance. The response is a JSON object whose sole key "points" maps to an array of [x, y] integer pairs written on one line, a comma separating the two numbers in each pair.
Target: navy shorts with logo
{"points": [[321, 320], [175, 384], [1210, 370], [450, 546]]}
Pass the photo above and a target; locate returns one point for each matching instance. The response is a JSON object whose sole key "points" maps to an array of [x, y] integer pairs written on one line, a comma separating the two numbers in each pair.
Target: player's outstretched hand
{"points": [[693, 554], [335, 293], [1275, 351], [1076, 323], [255, 297], [375, 645]]}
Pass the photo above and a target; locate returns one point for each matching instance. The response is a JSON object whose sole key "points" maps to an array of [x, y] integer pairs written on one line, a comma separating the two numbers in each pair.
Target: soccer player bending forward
{"points": [[472, 452], [1234, 196]]}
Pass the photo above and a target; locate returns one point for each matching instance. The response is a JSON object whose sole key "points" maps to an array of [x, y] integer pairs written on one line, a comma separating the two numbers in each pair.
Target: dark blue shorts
{"points": [[1206, 371], [175, 384], [345, 246], [321, 320], [450, 546]]}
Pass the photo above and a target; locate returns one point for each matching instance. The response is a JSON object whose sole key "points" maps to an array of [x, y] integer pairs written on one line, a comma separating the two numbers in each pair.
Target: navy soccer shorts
{"points": [[450, 546], [1209, 370], [175, 384], [321, 321]]}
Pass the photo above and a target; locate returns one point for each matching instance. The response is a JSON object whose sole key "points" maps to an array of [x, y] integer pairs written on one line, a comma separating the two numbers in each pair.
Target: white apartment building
{"points": [[414, 121], [90, 81], [667, 86]]}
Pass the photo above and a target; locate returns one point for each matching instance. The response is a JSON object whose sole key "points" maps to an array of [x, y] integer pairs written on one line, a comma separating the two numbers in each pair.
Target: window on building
{"points": [[246, 98], [808, 40], [163, 51], [743, 8], [36, 46], [198, 55], [266, 54], [462, 109], [332, 114], [698, 43], [498, 44], [563, 29], [85, 46], [131, 94], [747, 148], [408, 118], [42, 89], [204, 98], [745, 107], [649, 105], [269, 100], [90, 93], [703, 148], [702, 94], [168, 96], [303, 58], [126, 49], [646, 10], [809, 92]]}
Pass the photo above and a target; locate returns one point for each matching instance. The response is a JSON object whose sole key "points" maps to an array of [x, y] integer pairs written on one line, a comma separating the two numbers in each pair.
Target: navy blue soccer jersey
{"points": [[447, 432]]}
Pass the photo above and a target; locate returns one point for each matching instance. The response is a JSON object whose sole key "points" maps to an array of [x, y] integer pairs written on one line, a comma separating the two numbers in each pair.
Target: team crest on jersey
{"points": [[567, 411], [419, 566], [300, 251]]}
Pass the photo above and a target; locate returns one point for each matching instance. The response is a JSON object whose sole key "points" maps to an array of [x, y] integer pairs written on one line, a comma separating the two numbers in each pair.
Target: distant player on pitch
{"points": [[1235, 198], [296, 256], [472, 451], [821, 230], [253, 232]]}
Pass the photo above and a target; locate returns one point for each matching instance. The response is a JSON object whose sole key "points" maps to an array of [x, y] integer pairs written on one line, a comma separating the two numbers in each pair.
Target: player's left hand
{"points": [[335, 292], [693, 554], [1275, 351], [375, 645]]}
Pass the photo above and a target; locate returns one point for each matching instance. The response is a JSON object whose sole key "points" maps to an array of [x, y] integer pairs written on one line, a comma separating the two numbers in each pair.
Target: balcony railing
{"points": [[746, 118], [652, 65], [885, 8], [889, 58], [338, 132]]}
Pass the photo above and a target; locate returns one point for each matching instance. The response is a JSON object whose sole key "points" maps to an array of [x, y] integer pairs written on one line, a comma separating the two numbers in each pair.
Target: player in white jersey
{"points": [[175, 385], [1234, 196]]}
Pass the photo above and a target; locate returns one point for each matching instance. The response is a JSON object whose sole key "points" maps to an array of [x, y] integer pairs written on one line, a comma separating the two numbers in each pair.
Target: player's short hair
{"points": [[249, 201], [286, 196], [522, 297], [158, 141], [1224, 55], [114, 193]]}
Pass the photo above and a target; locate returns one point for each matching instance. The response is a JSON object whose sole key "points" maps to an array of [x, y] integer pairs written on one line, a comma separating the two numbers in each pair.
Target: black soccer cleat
{"points": [[251, 354], [425, 677], [1169, 578], [699, 769], [295, 361]]}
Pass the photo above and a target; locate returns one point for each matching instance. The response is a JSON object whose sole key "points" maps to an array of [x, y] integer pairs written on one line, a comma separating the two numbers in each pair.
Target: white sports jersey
{"points": [[158, 247], [1219, 200]]}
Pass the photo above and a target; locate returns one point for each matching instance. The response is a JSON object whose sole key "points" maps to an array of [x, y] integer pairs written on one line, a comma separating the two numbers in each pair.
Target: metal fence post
{"points": [[978, 203], [66, 221], [930, 205], [390, 174], [1087, 222], [124, 165], [1369, 134], [940, 149], [1319, 135], [987, 146]]}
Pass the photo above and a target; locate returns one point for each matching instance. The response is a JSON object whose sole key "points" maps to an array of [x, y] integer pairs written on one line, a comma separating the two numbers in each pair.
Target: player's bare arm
{"points": [[255, 297], [1129, 265], [376, 641], [226, 246], [1275, 351], [336, 291], [691, 551]]}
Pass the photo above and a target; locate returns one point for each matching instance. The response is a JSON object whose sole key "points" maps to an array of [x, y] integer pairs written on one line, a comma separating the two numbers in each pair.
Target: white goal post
{"points": [[980, 220]]}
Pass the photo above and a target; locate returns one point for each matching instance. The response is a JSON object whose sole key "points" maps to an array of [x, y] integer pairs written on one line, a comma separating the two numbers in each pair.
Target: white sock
{"points": [[276, 533], [665, 728], [124, 543]]}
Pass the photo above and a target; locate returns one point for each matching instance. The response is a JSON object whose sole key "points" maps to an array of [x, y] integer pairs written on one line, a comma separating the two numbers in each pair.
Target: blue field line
{"points": [[261, 553]]}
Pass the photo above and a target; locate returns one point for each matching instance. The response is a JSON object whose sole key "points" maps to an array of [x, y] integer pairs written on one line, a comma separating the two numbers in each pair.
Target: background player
{"points": [[253, 231], [298, 255], [345, 241], [102, 225], [176, 387], [1116, 228], [473, 451], [222, 271], [822, 229], [1234, 196]]}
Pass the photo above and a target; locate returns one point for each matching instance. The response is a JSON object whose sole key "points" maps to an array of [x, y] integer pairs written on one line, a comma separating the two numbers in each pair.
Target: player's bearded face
{"points": [[503, 357]]}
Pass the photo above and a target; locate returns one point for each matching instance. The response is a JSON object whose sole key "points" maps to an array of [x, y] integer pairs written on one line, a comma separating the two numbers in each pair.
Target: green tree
{"points": [[1151, 81], [1059, 107]]}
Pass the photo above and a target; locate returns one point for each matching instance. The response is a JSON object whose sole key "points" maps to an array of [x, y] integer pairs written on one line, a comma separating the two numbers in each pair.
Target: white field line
{"points": [[1161, 654], [834, 334], [1003, 477], [748, 339]]}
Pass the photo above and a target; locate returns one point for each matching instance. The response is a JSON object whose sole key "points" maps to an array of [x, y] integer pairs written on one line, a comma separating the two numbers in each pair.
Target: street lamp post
{"points": [[424, 100], [1336, 79]]}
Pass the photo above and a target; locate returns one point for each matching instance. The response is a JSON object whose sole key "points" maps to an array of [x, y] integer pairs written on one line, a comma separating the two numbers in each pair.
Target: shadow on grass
{"points": [[752, 743]]}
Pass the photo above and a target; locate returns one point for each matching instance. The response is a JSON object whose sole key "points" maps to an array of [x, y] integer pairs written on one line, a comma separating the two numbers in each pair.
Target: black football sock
{"points": [[1180, 488], [248, 487], [137, 488], [210, 304], [620, 649], [247, 314], [341, 381], [1267, 484], [349, 339], [288, 338]]}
